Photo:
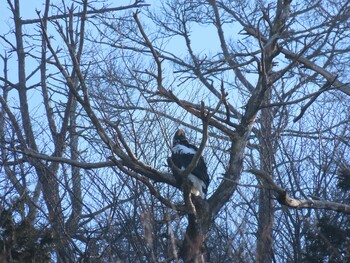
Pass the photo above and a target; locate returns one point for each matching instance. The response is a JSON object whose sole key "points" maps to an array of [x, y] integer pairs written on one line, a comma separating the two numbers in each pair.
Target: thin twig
{"points": [[325, 87]]}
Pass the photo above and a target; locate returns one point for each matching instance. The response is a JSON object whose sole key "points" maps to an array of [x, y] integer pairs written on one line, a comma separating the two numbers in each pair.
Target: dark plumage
{"points": [[182, 154]]}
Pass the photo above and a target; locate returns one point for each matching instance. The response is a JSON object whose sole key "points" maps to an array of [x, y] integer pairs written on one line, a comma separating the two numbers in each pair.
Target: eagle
{"points": [[182, 153]]}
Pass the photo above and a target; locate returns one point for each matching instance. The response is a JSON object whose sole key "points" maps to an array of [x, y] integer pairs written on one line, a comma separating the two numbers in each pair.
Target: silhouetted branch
{"points": [[284, 199]]}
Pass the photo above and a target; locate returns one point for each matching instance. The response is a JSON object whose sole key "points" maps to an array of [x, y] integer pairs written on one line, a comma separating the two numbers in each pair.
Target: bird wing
{"points": [[201, 171], [182, 156]]}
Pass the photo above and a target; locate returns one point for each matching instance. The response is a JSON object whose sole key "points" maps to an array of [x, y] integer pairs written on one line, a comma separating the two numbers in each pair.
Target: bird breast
{"points": [[181, 149]]}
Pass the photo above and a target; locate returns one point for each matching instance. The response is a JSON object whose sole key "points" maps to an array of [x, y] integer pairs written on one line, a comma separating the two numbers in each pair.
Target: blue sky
{"points": [[204, 39]]}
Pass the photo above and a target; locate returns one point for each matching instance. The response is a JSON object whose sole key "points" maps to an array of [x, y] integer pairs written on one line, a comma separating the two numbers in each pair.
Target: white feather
{"points": [[181, 149], [198, 185]]}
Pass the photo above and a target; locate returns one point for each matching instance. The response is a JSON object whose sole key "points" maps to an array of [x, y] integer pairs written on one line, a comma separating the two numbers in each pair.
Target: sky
{"points": [[28, 11], [204, 40]]}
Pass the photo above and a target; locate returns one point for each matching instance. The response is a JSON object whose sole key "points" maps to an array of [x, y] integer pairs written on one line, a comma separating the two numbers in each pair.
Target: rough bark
{"points": [[266, 211]]}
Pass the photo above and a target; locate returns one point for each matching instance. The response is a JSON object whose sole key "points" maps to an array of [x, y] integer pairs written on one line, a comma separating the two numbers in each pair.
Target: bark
{"points": [[266, 212], [192, 249]]}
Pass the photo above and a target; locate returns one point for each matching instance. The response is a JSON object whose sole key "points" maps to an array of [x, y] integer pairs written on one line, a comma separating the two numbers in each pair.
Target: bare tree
{"points": [[267, 106]]}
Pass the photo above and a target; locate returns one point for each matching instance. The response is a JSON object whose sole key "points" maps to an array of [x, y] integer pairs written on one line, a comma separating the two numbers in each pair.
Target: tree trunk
{"points": [[266, 212], [265, 226], [192, 249]]}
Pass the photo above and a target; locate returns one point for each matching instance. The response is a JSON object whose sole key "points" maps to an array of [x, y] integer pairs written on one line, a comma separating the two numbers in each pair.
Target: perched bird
{"points": [[182, 154]]}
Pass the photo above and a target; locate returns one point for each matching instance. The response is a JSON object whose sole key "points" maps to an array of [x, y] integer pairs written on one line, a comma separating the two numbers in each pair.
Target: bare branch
{"points": [[325, 87], [88, 12], [154, 54], [284, 199]]}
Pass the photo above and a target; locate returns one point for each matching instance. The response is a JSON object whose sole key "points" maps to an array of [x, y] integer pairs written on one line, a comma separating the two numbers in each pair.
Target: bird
{"points": [[182, 153]]}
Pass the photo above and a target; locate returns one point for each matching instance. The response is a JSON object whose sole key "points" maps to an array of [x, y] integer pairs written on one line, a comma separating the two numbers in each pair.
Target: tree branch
{"points": [[284, 199], [89, 12], [325, 87]]}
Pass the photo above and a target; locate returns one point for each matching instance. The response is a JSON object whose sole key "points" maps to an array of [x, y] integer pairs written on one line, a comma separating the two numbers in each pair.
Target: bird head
{"points": [[179, 137]]}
